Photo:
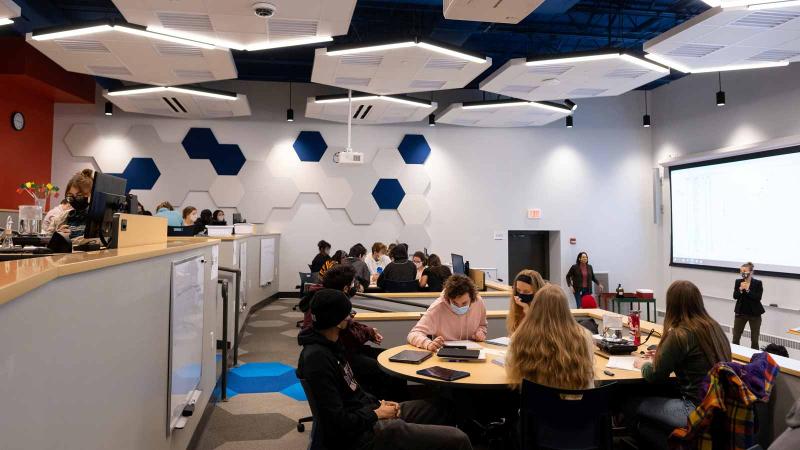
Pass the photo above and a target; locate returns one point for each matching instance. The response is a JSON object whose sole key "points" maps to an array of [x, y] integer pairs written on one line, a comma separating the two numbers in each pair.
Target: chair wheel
{"points": [[301, 427]]}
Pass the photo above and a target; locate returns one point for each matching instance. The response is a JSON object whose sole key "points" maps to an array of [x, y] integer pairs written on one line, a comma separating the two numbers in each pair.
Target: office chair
{"points": [[559, 419], [315, 442], [400, 286], [305, 278]]}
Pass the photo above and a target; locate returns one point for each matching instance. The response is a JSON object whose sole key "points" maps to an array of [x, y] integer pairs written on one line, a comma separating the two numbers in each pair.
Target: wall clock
{"points": [[17, 121]]}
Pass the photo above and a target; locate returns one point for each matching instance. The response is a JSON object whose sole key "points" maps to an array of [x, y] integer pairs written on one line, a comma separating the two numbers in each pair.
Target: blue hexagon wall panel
{"points": [[200, 143], [141, 173], [414, 149], [310, 146], [388, 193]]}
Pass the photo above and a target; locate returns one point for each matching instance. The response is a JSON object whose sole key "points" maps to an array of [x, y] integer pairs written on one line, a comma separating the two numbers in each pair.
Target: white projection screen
{"points": [[728, 211]]}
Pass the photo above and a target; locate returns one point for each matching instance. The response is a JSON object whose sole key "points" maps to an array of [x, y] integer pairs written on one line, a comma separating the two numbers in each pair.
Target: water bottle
{"points": [[633, 324], [7, 241], [620, 291]]}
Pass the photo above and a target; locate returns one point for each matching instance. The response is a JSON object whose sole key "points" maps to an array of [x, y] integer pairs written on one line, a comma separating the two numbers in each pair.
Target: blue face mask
{"points": [[459, 310]]}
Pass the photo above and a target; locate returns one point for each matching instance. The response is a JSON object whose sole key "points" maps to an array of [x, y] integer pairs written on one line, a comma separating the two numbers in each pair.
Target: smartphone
{"points": [[442, 373]]}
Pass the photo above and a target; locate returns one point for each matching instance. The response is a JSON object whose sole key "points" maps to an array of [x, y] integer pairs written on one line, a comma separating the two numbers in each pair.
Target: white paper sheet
{"points": [[267, 274], [621, 362], [504, 341]]}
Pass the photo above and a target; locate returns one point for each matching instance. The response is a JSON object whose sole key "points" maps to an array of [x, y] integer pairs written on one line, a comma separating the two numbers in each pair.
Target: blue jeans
{"points": [[652, 419], [580, 292]]}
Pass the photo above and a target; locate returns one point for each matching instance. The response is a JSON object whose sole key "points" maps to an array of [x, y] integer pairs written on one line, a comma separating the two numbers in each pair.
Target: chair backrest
{"points": [[400, 286], [316, 427], [562, 419], [305, 277]]}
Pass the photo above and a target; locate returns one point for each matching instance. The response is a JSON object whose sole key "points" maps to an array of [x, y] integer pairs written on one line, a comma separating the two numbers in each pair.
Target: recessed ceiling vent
{"points": [[74, 45], [775, 55], [352, 81], [186, 22], [445, 64], [109, 71], [285, 28], [766, 19], [695, 50], [627, 73], [178, 50], [362, 60], [550, 69], [586, 92]]}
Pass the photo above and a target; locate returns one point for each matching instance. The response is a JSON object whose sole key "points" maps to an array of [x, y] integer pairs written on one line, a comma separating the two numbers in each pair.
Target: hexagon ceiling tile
{"points": [[414, 149], [362, 209], [388, 193], [226, 191], [336, 193], [416, 236], [414, 209], [414, 179], [388, 163], [310, 146]]}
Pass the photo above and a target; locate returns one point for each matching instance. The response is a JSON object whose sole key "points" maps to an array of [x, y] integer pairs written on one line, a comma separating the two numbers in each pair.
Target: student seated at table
{"points": [[526, 284], [356, 259], [218, 218], [334, 260], [458, 314], [435, 275], [79, 192], [420, 262], [549, 347], [349, 416], [400, 269], [378, 259], [166, 210], [691, 345], [56, 215], [323, 255]]}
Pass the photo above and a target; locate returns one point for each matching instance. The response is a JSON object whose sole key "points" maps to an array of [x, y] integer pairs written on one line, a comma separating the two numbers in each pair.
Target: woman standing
{"points": [[580, 278], [747, 291], [549, 347], [526, 284]]}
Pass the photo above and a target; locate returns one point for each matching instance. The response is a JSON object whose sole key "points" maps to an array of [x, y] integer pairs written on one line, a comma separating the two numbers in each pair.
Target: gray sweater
{"points": [[789, 439]]}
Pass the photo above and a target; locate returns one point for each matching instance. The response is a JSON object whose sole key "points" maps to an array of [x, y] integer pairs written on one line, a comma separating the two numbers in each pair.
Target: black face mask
{"points": [[78, 203], [525, 298]]}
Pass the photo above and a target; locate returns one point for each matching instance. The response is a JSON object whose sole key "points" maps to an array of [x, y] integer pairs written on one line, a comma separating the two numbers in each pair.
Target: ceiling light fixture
{"points": [[600, 57], [290, 111], [287, 43], [161, 37], [109, 109], [253, 47], [130, 29], [686, 69], [219, 95], [389, 98], [720, 93], [553, 107], [492, 105], [570, 122], [668, 62], [438, 48], [432, 120], [571, 105], [5, 21], [71, 32], [646, 117]]}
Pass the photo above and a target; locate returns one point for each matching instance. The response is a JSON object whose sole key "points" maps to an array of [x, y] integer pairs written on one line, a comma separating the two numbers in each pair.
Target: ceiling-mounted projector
{"points": [[348, 157]]}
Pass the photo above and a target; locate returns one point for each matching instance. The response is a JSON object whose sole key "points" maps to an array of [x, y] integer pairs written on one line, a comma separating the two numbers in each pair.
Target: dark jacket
{"points": [[318, 261], [362, 271], [346, 412], [398, 270], [575, 278], [749, 302], [436, 277]]}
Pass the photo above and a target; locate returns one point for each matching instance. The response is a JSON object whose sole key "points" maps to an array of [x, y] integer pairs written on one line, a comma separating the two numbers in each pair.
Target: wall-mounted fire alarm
{"points": [[573, 241]]}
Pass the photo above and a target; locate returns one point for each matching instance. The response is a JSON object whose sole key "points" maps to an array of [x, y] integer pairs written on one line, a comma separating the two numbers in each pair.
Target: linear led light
{"points": [[5, 21], [265, 45], [122, 28], [407, 44], [668, 62], [387, 98], [600, 57], [182, 90], [644, 64], [287, 43], [552, 108], [345, 99], [758, 65], [549, 107]]}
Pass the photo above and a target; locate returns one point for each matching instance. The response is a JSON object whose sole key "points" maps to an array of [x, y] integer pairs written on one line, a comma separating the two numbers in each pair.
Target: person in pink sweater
{"points": [[458, 314]]}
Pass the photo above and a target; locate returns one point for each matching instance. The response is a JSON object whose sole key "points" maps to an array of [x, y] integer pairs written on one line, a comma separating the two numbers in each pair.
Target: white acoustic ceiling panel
{"points": [[8, 11], [369, 109], [128, 52], [182, 103], [502, 114], [499, 11], [397, 68], [572, 76], [730, 39], [234, 23]]}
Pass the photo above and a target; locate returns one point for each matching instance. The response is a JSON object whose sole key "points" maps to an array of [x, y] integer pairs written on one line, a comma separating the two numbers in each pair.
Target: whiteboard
{"points": [[267, 261], [185, 335]]}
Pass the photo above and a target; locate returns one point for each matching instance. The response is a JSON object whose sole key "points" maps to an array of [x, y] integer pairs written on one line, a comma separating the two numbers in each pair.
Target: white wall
{"points": [[761, 106], [592, 182]]}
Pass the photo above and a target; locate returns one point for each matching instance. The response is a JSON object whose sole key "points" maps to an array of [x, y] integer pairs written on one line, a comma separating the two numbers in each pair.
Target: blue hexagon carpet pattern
{"points": [[200, 143], [141, 173], [262, 377], [310, 146], [388, 193], [414, 149]]}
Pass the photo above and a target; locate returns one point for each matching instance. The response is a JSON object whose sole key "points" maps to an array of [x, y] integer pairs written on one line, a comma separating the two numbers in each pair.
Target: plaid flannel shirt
{"points": [[733, 388]]}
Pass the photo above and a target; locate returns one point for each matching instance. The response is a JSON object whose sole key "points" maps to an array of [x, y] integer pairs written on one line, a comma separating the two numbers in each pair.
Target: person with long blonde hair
{"points": [[549, 347], [526, 284]]}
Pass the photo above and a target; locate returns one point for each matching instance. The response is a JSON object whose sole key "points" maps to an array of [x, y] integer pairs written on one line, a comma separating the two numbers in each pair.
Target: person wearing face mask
{"points": [[218, 218], [79, 191], [458, 314], [526, 284], [747, 291], [580, 278], [420, 262]]}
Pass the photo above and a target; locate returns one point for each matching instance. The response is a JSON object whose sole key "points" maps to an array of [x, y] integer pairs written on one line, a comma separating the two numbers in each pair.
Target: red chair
{"points": [[588, 302]]}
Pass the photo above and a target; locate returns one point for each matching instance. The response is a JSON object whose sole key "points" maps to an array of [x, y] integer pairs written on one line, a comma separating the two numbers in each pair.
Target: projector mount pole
{"points": [[349, 119]]}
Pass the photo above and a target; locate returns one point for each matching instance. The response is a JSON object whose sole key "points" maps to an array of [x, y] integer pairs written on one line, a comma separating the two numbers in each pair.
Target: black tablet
{"points": [[442, 373], [458, 353], [410, 356]]}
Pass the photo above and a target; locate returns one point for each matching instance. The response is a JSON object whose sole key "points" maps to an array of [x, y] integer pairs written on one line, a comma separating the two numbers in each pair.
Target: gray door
{"points": [[528, 250]]}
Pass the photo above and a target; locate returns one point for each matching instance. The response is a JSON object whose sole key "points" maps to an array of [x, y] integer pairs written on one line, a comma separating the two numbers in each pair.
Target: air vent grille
{"points": [[79, 45], [445, 64], [627, 73], [178, 50], [427, 84], [352, 81], [775, 55], [586, 92], [186, 22], [194, 74], [555, 69], [292, 28], [109, 70], [695, 50], [361, 60], [518, 89], [766, 19]]}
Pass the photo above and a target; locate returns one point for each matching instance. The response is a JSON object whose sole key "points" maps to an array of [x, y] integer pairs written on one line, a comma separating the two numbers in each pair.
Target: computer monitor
{"points": [[237, 218], [108, 198], [458, 263]]}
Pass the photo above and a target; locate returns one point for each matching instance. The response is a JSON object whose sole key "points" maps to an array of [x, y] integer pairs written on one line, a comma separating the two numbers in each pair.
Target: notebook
{"points": [[410, 357]]}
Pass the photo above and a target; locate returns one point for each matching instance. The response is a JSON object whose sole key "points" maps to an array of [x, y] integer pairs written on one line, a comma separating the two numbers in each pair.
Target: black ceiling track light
{"points": [[720, 93], [570, 122], [646, 117], [109, 109], [290, 111]]}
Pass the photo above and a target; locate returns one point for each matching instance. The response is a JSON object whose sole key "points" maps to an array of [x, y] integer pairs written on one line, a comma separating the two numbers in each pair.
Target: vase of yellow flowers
{"points": [[30, 216]]}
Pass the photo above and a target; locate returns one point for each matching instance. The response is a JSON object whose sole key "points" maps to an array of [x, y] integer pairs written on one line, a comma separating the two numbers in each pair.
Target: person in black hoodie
{"points": [[400, 269], [348, 416]]}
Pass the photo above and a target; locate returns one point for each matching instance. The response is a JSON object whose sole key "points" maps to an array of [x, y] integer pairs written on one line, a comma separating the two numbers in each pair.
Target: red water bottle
{"points": [[633, 323]]}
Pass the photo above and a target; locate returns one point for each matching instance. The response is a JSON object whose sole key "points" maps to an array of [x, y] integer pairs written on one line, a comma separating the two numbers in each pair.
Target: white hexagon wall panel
{"points": [[310, 177], [414, 179], [110, 153], [388, 163], [336, 193], [414, 209], [226, 191], [146, 140], [255, 206], [416, 236], [362, 208]]}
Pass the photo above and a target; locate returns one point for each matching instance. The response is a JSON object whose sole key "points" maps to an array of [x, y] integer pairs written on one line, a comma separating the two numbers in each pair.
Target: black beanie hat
{"points": [[329, 307]]}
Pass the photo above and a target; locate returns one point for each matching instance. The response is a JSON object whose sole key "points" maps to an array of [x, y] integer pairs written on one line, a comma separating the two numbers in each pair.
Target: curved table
{"points": [[484, 374]]}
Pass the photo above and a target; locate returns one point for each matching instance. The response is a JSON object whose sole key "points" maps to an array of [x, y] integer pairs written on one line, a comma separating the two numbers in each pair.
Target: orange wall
{"points": [[24, 155]]}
